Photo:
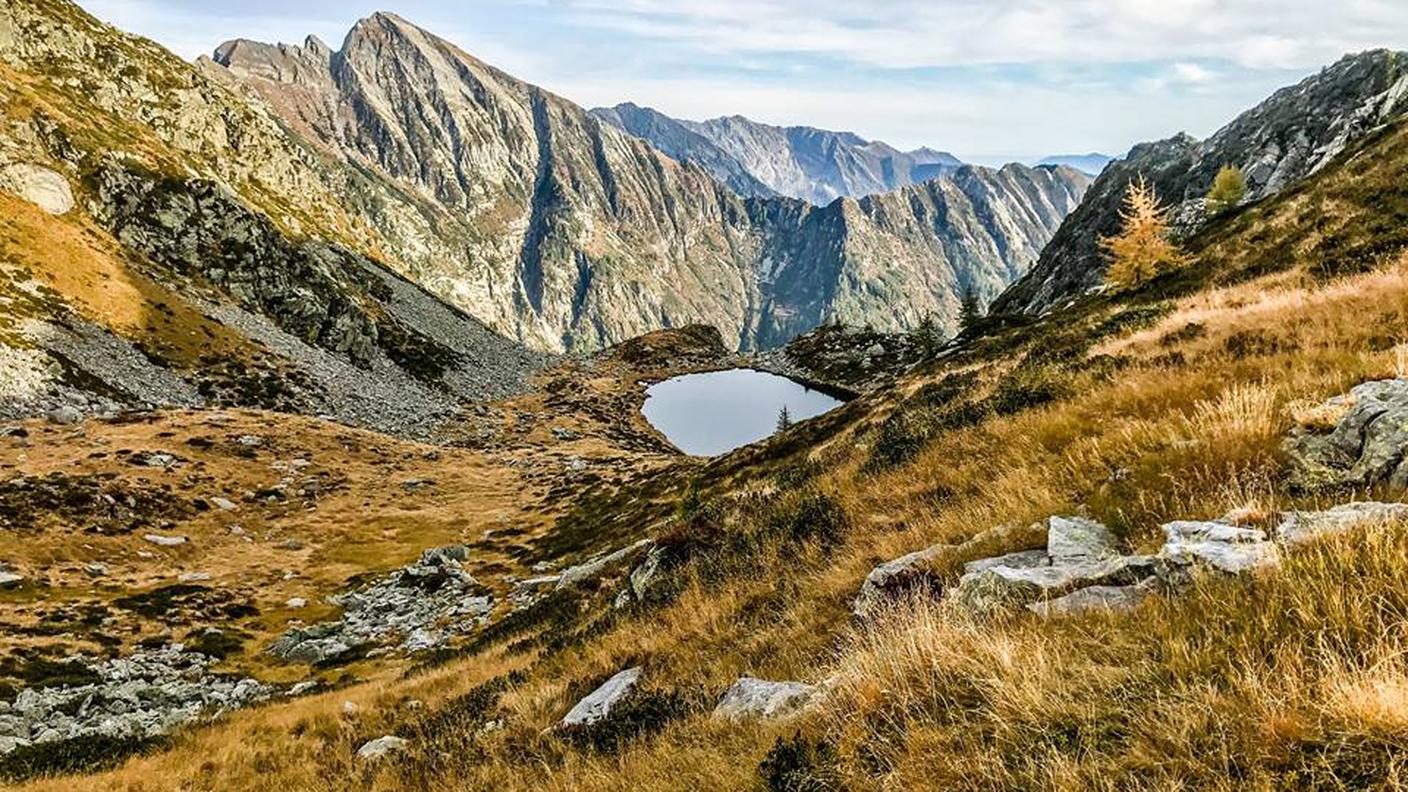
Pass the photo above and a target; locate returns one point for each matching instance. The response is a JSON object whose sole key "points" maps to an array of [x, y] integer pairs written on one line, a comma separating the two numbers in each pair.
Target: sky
{"points": [[989, 80]]}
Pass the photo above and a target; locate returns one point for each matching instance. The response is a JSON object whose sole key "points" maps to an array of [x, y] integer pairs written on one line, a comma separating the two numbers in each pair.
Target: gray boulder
{"points": [[165, 541], [382, 746], [1072, 540], [298, 646], [1092, 599], [1364, 448], [907, 573], [595, 567], [224, 504], [598, 704], [38, 185], [758, 699], [65, 416], [1000, 587], [1217, 546], [1297, 528], [649, 581]]}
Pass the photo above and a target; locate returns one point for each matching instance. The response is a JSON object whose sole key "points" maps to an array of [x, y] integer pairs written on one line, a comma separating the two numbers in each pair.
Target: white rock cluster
{"points": [[422, 605], [141, 696]]}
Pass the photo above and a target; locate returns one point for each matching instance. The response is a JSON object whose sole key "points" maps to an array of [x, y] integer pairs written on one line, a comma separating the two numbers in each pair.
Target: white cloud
{"points": [[1192, 74], [918, 33], [980, 77]]}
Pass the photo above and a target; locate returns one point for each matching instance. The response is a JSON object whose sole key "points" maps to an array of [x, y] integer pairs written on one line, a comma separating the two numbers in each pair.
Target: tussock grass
{"points": [[1290, 680]]}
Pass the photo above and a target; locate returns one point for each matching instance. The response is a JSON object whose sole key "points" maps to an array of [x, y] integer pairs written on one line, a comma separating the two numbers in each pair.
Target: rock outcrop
{"points": [[1297, 528], [215, 223], [145, 695], [892, 579], [1364, 445], [382, 747], [1082, 569], [759, 699], [38, 185], [422, 606], [1292, 135]]}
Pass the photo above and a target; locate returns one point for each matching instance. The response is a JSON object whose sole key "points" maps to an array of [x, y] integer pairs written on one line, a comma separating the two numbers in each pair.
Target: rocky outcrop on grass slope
{"points": [[135, 698], [1354, 441], [418, 607], [1082, 567]]}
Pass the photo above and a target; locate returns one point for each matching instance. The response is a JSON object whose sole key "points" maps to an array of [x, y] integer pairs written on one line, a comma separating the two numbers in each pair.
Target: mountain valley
{"points": [[324, 463]]}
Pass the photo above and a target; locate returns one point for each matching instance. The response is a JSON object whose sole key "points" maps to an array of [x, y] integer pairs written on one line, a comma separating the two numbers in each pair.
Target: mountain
{"points": [[563, 232], [383, 233], [1089, 164], [801, 162], [680, 142], [1124, 544], [169, 244], [1293, 134]]}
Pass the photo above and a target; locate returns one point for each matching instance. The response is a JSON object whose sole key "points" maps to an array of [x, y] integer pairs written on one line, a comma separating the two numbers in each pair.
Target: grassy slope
{"points": [[1166, 404]]}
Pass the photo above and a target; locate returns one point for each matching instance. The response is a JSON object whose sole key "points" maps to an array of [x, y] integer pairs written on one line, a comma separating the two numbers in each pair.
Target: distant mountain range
{"points": [[1091, 164], [761, 160]]}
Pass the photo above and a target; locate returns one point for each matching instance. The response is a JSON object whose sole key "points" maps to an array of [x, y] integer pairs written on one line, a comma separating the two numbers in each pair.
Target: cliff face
{"points": [[1294, 134], [567, 233]]}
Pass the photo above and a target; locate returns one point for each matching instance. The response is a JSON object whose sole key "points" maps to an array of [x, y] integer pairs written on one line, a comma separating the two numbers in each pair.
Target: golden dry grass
{"points": [[1288, 680]]}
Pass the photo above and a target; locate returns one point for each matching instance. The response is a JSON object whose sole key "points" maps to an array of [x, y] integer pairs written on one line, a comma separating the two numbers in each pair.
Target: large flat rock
{"points": [[597, 705]]}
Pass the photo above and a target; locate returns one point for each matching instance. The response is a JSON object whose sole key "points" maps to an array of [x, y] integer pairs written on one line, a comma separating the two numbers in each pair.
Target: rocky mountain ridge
{"points": [[565, 233], [756, 159], [1292, 135]]}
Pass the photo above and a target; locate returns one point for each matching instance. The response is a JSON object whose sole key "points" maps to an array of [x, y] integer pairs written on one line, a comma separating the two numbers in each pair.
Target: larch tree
{"points": [[1143, 250]]}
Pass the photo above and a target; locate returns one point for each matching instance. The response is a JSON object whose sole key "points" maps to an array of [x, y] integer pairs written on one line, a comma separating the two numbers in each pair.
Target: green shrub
{"points": [[800, 764], [85, 754]]}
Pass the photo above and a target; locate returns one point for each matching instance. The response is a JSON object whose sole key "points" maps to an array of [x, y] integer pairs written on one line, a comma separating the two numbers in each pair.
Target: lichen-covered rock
{"points": [[650, 581], [758, 699], [1000, 587], [893, 578], [1072, 540], [1366, 446], [597, 705]]}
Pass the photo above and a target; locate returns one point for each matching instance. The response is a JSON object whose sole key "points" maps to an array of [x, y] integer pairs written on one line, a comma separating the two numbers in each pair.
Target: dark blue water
{"points": [[714, 413]]}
